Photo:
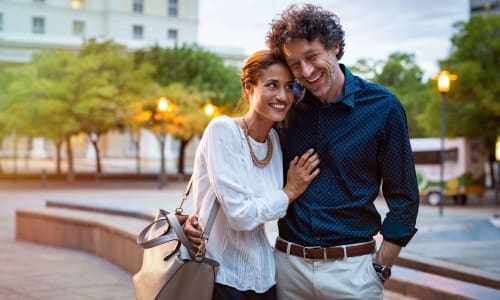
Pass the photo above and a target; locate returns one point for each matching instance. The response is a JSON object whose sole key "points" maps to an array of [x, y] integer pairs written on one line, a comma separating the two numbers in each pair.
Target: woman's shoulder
{"points": [[222, 124]]}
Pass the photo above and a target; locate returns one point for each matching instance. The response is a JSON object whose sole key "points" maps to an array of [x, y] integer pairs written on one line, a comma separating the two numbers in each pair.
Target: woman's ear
{"points": [[248, 88]]}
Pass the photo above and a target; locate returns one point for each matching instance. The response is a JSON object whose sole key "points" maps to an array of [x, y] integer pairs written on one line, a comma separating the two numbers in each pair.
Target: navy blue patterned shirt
{"points": [[362, 141]]}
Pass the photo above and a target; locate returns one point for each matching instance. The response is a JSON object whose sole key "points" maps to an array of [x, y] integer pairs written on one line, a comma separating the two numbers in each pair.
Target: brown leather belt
{"points": [[338, 252]]}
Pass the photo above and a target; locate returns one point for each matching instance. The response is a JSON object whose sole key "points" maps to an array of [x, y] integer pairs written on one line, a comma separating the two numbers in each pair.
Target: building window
{"points": [[484, 6], [77, 4], [1, 21], [138, 6], [172, 8], [138, 32], [78, 27], [38, 25], [172, 34]]}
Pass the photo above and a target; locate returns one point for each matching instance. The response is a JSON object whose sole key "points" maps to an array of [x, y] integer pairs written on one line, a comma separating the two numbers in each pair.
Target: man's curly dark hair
{"points": [[306, 22]]}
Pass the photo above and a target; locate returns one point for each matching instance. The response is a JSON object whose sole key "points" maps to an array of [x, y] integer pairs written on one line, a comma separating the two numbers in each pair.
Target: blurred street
{"points": [[467, 236]]}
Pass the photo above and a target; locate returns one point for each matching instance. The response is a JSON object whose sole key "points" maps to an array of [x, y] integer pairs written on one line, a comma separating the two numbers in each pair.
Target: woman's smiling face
{"points": [[271, 97]]}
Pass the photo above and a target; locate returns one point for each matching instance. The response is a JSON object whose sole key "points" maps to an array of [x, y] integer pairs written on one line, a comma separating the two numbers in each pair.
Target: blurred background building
{"points": [[484, 7], [26, 26], [29, 26]]}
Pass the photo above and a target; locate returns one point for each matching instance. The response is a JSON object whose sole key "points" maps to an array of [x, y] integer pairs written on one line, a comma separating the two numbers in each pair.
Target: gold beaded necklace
{"points": [[267, 159]]}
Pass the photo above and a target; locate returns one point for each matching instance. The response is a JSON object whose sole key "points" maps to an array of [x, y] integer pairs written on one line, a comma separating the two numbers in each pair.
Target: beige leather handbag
{"points": [[172, 268]]}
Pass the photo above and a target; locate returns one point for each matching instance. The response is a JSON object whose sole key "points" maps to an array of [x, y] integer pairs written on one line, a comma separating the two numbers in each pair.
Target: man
{"points": [[325, 248]]}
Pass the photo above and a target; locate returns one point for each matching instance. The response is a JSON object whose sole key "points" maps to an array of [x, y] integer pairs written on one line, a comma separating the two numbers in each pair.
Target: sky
{"points": [[374, 28]]}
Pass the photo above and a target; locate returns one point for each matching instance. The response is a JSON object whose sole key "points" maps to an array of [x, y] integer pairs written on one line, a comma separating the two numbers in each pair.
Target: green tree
{"points": [[55, 98], [18, 105], [184, 118], [473, 106], [367, 68], [89, 92], [195, 67], [5, 79], [190, 120], [137, 119], [476, 49], [110, 82]]}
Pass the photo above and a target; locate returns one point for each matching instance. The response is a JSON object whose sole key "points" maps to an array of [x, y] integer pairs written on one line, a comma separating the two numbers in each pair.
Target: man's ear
{"points": [[336, 49]]}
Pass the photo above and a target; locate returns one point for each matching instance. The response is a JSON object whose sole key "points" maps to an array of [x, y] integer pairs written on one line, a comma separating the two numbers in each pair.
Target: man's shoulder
{"points": [[367, 86], [373, 91]]}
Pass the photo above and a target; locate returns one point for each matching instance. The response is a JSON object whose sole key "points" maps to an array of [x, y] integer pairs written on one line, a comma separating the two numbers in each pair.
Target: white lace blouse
{"points": [[249, 196]]}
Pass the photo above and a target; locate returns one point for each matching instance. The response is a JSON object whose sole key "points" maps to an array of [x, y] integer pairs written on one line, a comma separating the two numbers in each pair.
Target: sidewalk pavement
{"points": [[463, 235]]}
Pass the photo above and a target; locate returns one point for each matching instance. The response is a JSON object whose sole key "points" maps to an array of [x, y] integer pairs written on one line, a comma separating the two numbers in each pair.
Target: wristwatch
{"points": [[383, 272]]}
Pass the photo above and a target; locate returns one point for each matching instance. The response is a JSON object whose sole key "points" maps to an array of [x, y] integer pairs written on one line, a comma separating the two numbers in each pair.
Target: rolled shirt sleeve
{"points": [[399, 183]]}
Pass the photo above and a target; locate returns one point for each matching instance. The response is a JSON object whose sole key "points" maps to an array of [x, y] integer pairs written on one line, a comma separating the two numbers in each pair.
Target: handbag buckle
{"points": [[202, 248]]}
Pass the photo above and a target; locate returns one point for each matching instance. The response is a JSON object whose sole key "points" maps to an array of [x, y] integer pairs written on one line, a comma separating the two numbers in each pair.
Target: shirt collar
{"points": [[351, 86]]}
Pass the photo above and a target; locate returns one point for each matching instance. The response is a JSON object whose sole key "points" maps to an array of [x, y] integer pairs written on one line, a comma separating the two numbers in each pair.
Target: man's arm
{"points": [[399, 181], [387, 253]]}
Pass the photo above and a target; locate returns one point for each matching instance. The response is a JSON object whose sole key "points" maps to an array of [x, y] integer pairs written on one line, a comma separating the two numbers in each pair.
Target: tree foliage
{"points": [[195, 67], [111, 82], [184, 117], [62, 93], [473, 103]]}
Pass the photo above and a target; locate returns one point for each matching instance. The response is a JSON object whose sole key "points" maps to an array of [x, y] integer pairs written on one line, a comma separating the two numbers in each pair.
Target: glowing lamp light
{"points": [[76, 4], [162, 104], [209, 109], [443, 80]]}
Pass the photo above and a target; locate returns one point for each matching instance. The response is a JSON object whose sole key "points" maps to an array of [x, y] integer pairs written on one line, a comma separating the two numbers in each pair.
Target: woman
{"points": [[239, 162]]}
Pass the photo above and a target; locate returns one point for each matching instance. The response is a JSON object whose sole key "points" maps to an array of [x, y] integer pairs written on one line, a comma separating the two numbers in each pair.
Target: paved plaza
{"points": [[463, 235]]}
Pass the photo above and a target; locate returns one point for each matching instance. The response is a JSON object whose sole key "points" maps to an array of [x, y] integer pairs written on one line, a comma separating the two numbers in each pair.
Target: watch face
{"points": [[383, 272], [386, 273]]}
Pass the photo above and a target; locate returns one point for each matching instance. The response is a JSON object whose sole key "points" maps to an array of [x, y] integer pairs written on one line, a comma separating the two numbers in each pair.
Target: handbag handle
{"points": [[179, 231], [173, 222], [146, 244]]}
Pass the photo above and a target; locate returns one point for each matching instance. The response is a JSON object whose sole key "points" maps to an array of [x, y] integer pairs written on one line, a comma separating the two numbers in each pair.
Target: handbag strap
{"points": [[173, 222], [179, 231], [178, 210], [211, 220]]}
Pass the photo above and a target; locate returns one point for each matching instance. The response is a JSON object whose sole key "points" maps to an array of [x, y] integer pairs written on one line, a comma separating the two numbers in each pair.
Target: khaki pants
{"points": [[351, 278]]}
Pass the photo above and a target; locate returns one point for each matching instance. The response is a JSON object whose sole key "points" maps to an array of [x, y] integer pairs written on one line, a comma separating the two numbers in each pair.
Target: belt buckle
{"points": [[304, 251]]}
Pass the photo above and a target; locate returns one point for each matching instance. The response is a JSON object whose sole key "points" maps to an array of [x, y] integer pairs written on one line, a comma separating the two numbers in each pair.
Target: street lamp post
{"points": [[162, 107], [443, 84], [497, 158]]}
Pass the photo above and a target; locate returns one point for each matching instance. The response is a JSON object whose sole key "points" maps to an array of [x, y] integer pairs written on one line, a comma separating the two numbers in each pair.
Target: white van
{"points": [[464, 168]]}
